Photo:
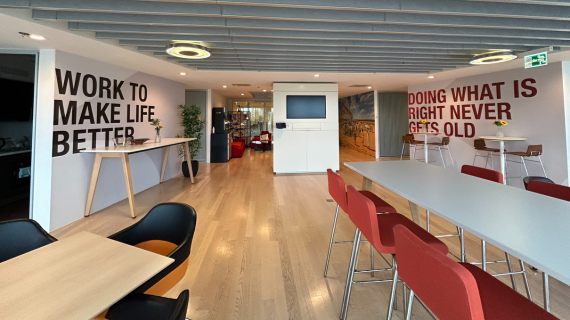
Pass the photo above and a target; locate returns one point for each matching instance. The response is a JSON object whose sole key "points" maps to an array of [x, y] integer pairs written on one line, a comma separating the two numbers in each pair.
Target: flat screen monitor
{"points": [[306, 107]]}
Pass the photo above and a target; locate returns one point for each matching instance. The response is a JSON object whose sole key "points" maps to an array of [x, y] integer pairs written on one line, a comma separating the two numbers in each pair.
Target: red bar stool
{"points": [[494, 176], [378, 229], [337, 191], [546, 187], [454, 290]]}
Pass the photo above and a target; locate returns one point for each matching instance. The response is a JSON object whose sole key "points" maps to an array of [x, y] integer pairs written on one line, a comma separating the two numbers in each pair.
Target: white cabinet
{"points": [[322, 151], [289, 151]]}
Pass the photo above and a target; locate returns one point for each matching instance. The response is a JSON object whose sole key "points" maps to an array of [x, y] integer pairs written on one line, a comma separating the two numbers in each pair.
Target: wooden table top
{"points": [[139, 147], [75, 278]]}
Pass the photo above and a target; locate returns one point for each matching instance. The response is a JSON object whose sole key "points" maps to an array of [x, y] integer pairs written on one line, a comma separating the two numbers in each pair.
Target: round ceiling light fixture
{"points": [[493, 57], [188, 50]]}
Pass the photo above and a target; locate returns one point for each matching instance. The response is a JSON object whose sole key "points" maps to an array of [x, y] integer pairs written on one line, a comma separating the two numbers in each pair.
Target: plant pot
{"points": [[500, 133], [186, 171]]}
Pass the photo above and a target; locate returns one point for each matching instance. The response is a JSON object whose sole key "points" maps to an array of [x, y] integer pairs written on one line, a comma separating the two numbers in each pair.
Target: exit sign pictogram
{"points": [[536, 60]]}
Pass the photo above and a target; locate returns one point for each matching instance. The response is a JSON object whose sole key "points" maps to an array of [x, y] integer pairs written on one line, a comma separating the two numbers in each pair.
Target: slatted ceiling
{"points": [[312, 35]]}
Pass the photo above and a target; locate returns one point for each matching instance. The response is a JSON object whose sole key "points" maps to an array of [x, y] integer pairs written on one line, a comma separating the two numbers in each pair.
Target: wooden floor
{"points": [[261, 243]]}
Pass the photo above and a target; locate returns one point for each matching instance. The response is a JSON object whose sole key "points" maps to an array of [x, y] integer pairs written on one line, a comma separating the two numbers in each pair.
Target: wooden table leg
{"points": [[94, 177], [164, 161], [414, 209], [129, 182], [189, 160], [366, 184]]}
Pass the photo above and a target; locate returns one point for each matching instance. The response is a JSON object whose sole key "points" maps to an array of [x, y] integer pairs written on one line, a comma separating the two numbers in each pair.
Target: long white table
{"points": [[123, 153], [530, 226]]}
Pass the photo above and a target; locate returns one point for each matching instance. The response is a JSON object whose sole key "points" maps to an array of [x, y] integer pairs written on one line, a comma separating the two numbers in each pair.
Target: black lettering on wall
{"points": [[94, 137], [87, 113], [142, 93], [102, 112], [62, 85], [107, 130], [57, 141], [77, 140], [117, 89], [129, 114], [150, 113], [104, 86], [93, 88], [115, 113], [129, 132], [58, 110], [134, 87]]}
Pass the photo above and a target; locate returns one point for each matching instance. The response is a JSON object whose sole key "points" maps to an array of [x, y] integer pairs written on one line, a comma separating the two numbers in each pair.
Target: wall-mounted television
{"points": [[16, 100], [306, 107]]}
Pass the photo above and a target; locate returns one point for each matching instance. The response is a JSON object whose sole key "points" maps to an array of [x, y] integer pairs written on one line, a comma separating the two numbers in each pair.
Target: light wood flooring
{"points": [[261, 243]]}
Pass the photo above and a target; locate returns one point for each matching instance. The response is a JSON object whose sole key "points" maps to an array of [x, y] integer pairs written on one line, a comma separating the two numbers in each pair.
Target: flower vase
{"points": [[424, 127], [500, 133], [157, 138]]}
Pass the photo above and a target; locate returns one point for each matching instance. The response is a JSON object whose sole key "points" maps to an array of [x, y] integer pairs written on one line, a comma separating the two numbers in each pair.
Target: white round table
{"points": [[426, 134], [502, 149]]}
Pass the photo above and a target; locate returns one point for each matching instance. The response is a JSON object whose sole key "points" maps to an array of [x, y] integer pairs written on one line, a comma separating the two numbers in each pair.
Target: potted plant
{"points": [[193, 127]]}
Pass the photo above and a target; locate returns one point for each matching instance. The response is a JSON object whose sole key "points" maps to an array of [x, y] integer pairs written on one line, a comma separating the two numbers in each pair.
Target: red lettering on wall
{"points": [[505, 108]]}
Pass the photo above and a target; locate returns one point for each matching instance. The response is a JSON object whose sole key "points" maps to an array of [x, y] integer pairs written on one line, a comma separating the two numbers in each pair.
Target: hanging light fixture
{"points": [[187, 50], [493, 57]]}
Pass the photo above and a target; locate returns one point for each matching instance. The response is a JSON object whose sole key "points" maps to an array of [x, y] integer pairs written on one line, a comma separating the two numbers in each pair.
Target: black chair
{"points": [[167, 224], [526, 180], [146, 307], [20, 236]]}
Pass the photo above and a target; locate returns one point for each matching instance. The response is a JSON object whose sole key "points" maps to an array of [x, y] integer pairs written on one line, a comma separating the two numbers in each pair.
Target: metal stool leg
{"points": [[372, 259], [526, 286], [441, 154], [405, 296], [524, 164], [354, 244], [510, 266], [450, 156], [462, 244], [484, 255], [402, 154], [475, 157], [487, 160], [350, 277], [410, 303], [492, 165], [332, 239], [542, 165], [391, 305], [427, 221]]}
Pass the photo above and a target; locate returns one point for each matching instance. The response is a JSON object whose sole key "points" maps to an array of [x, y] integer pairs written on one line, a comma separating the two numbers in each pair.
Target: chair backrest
{"points": [[534, 150], [550, 189], [20, 236], [170, 222], [528, 179], [443, 285], [267, 133], [482, 173], [445, 141], [479, 143], [181, 306], [337, 189], [362, 213], [407, 138]]}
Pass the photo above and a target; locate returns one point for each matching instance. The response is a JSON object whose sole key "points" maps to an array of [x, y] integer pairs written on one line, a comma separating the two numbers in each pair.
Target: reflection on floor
{"points": [[261, 243]]}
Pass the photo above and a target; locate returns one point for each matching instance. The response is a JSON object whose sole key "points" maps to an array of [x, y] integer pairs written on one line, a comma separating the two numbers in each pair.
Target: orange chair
{"points": [[454, 290], [337, 190], [378, 229]]}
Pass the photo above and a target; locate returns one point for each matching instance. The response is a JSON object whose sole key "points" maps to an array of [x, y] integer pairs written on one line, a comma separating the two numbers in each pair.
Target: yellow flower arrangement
{"points": [[423, 121], [500, 123], [156, 124]]}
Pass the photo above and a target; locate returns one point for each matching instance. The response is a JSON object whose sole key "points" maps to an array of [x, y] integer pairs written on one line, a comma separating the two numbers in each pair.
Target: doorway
{"points": [[17, 104]]}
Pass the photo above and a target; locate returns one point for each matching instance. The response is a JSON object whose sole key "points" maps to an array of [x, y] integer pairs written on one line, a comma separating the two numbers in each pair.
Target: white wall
{"points": [[71, 172], [538, 116], [307, 145]]}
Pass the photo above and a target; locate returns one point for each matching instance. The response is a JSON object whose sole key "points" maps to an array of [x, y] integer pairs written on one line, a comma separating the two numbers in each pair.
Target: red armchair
{"points": [[238, 147], [251, 144]]}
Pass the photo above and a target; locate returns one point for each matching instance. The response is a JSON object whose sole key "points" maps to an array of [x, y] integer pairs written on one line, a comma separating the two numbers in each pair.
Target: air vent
{"points": [[241, 85], [359, 86], [262, 95]]}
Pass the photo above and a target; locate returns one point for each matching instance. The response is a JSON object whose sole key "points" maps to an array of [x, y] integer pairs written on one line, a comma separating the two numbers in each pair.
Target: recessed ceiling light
{"points": [[493, 57], [182, 73], [187, 50], [431, 77], [32, 36], [224, 87], [243, 94], [264, 90], [317, 75], [37, 37], [369, 87]]}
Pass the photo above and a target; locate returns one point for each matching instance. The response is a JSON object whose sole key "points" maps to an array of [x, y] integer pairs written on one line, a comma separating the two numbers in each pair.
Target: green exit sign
{"points": [[536, 60]]}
